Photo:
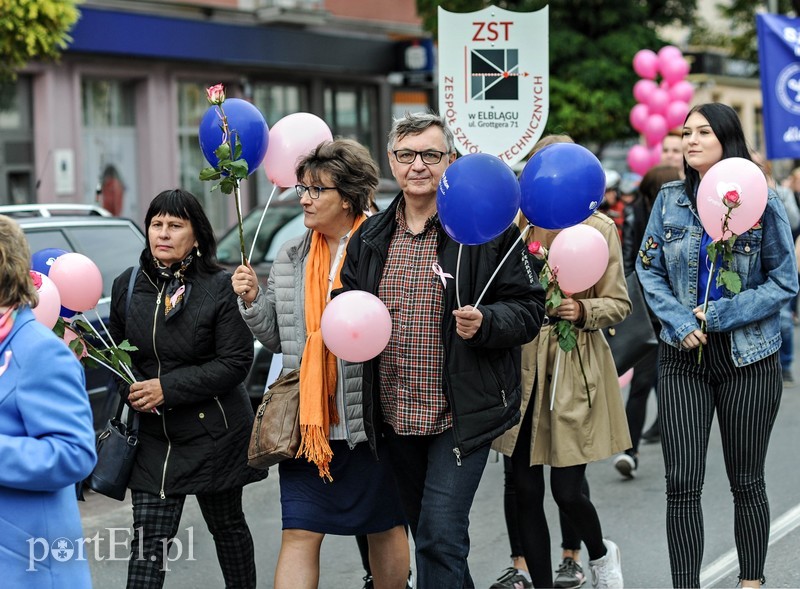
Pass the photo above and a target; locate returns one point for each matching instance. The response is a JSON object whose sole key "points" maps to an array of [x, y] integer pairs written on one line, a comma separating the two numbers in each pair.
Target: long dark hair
{"points": [[726, 126], [184, 205], [652, 182]]}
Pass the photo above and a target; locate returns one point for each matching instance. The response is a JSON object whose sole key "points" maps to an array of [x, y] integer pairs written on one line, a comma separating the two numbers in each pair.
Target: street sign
{"points": [[494, 80]]}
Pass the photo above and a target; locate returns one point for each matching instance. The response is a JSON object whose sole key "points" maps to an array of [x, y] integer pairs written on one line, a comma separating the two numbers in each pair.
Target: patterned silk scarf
{"points": [[177, 291]]}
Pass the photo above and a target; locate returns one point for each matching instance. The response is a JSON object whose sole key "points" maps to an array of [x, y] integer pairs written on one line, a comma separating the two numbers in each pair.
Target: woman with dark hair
{"points": [[335, 485], [739, 375], [195, 418]]}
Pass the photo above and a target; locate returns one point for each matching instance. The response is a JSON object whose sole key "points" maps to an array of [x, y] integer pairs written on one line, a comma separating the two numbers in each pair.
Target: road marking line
{"points": [[725, 564]]}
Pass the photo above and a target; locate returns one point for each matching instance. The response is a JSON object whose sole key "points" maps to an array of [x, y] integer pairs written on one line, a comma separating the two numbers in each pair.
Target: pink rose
{"points": [[37, 279], [216, 94], [731, 199], [537, 250]]}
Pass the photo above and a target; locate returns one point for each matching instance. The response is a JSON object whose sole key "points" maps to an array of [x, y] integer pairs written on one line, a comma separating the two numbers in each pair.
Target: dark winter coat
{"points": [[481, 376], [202, 355]]}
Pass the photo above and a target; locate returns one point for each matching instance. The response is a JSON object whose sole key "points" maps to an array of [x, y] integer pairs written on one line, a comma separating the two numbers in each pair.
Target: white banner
{"points": [[494, 80]]}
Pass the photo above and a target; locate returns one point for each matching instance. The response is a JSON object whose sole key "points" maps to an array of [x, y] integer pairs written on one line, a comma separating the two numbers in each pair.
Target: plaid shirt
{"points": [[411, 395]]}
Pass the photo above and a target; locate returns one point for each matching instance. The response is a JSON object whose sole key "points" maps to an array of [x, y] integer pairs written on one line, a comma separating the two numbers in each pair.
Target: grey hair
{"points": [[416, 123]]}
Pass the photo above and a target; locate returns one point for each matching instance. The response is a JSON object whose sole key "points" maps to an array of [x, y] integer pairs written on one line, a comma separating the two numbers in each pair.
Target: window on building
{"points": [[110, 167], [351, 111], [17, 181]]}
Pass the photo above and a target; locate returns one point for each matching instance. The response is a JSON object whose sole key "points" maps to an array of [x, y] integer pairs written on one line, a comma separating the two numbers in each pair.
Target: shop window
{"points": [[110, 169], [351, 112]]}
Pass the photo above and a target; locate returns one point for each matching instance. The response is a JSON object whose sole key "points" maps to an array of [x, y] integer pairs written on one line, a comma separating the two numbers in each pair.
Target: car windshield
{"points": [[274, 232]]}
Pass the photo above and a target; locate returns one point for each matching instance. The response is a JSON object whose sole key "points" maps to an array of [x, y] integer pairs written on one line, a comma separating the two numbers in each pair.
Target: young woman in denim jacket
{"points": [[739, 374]]}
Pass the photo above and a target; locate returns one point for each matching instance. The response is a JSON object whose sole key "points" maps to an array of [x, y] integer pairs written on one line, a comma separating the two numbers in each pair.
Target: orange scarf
{"points": [[318, 368]]}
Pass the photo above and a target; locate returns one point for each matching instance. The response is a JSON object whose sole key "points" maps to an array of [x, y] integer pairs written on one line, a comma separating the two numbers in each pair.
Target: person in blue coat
{"points": [[46, 436]]}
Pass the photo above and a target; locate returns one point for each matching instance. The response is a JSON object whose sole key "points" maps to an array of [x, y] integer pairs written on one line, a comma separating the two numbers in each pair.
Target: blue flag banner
{"points": [[779, 58]]}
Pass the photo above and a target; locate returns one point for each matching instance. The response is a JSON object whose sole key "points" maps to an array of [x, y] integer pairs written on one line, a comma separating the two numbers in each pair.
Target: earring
{"points": [[199, 255]]}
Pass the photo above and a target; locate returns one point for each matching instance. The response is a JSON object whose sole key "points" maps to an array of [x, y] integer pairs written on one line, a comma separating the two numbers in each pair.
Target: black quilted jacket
{"points": [[199, 442]]}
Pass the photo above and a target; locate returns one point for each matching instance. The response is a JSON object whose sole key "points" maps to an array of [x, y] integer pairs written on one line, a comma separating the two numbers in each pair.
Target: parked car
{"points": [[283, 220], [114, 244]]}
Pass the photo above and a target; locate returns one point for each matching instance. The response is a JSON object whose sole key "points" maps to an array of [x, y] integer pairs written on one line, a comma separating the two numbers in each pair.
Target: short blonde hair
{"points": [[16, 285]]}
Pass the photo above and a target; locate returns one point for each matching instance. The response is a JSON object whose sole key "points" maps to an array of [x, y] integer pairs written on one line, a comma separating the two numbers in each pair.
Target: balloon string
{"points": [[496, 270], [260, 221], [458, 270]]}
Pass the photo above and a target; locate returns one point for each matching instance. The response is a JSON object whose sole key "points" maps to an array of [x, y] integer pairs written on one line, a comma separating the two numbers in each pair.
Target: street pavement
{"points": [[632, 513]]}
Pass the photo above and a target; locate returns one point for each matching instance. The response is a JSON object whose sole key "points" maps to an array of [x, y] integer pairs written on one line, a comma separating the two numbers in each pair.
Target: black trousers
{"points": [[156, 521], [746, 402], [566, 485]]}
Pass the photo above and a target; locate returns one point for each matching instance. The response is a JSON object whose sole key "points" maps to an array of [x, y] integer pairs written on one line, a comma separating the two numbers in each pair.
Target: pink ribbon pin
{"points": [[174, 298], [437, 269]]}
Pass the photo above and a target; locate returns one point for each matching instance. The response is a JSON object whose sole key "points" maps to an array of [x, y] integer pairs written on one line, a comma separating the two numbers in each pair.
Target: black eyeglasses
{"points": [[407, 156], [313, 191]]}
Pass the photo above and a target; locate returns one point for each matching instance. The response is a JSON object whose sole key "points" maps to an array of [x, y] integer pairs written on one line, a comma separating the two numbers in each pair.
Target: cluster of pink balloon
{"points": [[733, 174], [67, 283], [660, 106], [277, 150]]}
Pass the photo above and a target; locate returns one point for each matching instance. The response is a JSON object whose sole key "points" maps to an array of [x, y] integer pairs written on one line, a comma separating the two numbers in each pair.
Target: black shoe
{"points": [[511, 579], [652, 435]]}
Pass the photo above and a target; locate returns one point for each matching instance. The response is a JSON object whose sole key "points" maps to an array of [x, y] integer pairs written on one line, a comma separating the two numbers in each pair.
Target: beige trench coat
{"points": [[572, 433]]}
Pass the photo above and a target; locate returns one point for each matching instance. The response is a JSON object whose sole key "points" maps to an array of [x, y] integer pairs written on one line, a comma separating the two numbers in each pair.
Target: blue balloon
{"points": [[562, 185], [477, 198], [246, 121], [41, 261]]}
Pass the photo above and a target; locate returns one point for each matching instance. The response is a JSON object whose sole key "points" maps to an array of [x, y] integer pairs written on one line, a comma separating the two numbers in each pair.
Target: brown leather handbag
{"points": [[276, 429]]}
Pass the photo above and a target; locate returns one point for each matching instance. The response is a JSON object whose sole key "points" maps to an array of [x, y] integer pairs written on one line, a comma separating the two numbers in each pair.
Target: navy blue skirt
{"points": [[362, 499]]}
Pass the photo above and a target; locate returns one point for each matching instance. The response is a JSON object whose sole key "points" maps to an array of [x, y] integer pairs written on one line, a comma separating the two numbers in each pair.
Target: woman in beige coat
{"points": [[572, 434]]}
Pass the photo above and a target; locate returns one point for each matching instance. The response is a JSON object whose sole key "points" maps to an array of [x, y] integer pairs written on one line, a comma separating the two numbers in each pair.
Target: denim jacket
{"points": [[667, 266]]}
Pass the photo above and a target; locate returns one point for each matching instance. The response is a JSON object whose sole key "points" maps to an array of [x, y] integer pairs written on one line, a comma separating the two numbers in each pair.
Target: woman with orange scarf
{"points": [[335, 485]]}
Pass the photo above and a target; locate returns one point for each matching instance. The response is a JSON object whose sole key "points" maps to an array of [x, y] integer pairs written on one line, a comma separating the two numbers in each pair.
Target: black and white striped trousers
{"points": [[746, 402], [156, 521]]}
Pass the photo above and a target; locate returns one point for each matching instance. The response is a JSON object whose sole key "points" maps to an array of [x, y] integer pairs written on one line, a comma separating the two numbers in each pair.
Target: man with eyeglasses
{"points": [[448, 381]]}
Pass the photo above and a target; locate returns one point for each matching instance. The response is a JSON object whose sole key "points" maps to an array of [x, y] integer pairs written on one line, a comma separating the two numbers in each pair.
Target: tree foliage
{"points": [[592, 44], [33, 29], [742, 15]]}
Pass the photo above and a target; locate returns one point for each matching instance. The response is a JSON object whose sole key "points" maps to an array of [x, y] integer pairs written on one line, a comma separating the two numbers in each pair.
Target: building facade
{"points": [[116, 119]]}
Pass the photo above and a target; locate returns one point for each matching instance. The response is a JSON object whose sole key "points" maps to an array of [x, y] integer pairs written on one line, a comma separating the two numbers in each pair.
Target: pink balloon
{"points": [[79, 281], [625, 378], [638, 117], [655, 154], [675, 70], [356, 326], [655, 129], [731, 174], [682, 91], [667, 54], [658, 101], [639, 159], [642, 90], [645, 63], [49, 307], [676, 114], [290, 139], [579, 257]]}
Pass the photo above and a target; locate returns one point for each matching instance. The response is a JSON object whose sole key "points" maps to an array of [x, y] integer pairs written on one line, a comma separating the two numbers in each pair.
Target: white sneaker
{"points": [[626, 465], [607, 571]]}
